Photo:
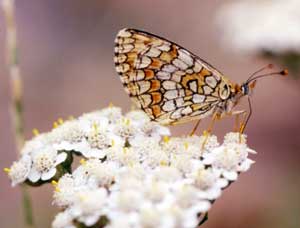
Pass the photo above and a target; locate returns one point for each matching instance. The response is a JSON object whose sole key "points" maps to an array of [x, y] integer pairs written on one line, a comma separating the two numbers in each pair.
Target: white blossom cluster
{"points": [[132, 173], [266, 25]]}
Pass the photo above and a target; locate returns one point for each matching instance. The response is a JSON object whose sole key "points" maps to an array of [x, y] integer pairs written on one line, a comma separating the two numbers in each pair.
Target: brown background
{"points": [[66, 51]]}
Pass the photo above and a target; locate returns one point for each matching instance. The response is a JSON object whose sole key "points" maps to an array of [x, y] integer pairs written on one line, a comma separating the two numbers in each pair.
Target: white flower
{"points": [[175, 216], [63, 220], [125, 129], [209, 142], [112, 113], [97, 143], [88, 120], [104, 173], [88, 206], [44, 165], [136, 172], [208, 182], [153, 129], [229, 159], [133, 177], [138, 117], [124, 183], [64, 191], [35, 143], [99, 140], [186, 196], [235, 137], [253, 26], [82, 177], [194, 145], [182, 162], [126, 156], [67, 135], [19, 170], [167, 174], [150, 217], [127, 200], [156, 191], [149, 151], [174, 145], [124, 220]]}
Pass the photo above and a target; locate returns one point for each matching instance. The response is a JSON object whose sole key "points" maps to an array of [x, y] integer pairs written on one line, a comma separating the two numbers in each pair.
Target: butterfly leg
{"points": [[207, 133], [237, 123], [215, 117], [244, 122], [239, 126], [195, 128]]}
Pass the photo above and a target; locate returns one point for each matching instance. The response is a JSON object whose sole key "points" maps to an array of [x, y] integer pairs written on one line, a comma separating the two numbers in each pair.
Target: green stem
{"points": [[8, 7], [27, 207]]}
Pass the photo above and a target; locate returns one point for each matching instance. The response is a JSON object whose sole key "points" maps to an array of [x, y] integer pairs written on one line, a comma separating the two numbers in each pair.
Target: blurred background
{"points": [[66, 58]]}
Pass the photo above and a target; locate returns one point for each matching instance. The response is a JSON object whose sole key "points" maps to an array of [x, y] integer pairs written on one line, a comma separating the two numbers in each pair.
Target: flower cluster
{"points": [[132, 173]]}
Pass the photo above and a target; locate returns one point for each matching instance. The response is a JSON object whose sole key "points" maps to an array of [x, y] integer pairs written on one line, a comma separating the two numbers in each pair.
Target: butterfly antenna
{"points": [[253, 78], [269, 66]]}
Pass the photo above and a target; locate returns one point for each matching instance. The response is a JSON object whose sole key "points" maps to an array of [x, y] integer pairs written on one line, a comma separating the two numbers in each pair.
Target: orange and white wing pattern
{"points": [[169, 83]]}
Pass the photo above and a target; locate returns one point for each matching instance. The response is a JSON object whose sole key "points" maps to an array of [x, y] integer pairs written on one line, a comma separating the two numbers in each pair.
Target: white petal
{"points": [[222, 183], [90, 220], [117, 141], [64, 146], [245, 166], [230, 175], [94, 153], [202, 206], [34, 175], [48, 175], [60, 158], [208, 160], [214, 193], [251, 151], [163, 131]]}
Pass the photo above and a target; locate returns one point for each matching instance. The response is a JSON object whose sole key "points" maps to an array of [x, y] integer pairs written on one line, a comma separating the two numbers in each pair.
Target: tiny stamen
{"points": [[186, 145], [35, 132], [163, 163], [54, 183], [7, 170], [55, 124], [82, 161], [60, 121], [166, 139]]}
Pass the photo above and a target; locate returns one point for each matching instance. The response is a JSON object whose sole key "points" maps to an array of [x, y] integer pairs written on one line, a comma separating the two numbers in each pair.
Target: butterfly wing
{"points": [[169, 83]]}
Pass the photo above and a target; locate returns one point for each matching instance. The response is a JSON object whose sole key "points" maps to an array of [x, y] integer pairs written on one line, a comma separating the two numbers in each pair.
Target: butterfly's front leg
{"points": [[195, 128], [238, 125], [216, 116]]}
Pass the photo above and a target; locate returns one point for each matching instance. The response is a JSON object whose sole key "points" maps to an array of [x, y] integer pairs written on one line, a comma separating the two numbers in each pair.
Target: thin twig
{"points": [[8, 7], [14, 71]]}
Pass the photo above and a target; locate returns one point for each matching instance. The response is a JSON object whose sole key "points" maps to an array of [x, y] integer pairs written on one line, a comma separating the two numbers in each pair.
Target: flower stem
{"points": [[27, 207], [8, 7]]}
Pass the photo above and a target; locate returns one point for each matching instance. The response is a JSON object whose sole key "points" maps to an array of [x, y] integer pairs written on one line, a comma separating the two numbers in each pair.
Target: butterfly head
{"points": [[246, 89]]}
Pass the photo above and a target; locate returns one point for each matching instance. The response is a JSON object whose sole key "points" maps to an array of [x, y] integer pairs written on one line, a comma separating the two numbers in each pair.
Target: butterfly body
{"points": [[169, 83]]}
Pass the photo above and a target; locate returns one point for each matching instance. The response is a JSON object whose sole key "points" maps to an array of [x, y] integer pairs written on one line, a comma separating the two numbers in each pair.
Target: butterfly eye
{"points": [[245, 89]]}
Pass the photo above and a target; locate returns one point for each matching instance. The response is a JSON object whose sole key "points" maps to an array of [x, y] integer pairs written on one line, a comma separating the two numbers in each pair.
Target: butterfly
{"points": [[170, 83]]}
